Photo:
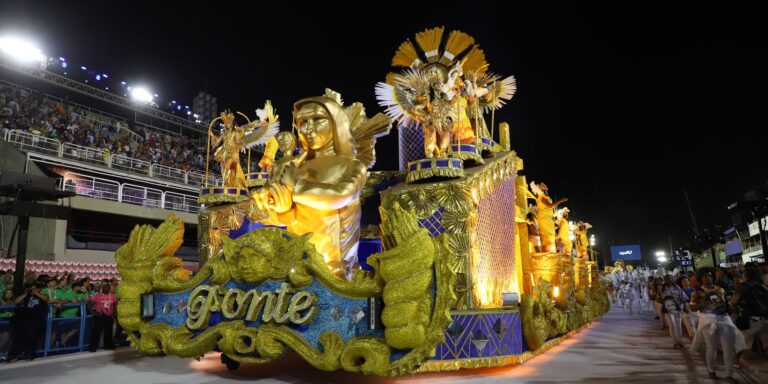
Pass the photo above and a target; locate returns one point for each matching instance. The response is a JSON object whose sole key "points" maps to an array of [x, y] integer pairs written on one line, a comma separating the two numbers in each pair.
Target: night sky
{"points": [[618, 109]]}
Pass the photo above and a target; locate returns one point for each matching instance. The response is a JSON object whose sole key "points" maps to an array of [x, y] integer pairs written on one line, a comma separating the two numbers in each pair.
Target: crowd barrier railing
{"points": [[55, 328]]}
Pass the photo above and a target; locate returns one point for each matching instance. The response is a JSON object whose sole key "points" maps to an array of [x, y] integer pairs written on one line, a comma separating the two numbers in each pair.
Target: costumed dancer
{"points": [[715, 326], [673, 299], [564, 243], [582, 241], [545, 215], [234, 139]]}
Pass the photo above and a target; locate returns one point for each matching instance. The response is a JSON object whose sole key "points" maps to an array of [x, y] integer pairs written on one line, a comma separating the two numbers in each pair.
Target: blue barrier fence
{"points": [[56, 329]]}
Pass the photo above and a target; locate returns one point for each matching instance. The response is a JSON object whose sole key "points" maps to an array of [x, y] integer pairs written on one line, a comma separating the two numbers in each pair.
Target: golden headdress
{"points": [[227, 116], [354, 133]]}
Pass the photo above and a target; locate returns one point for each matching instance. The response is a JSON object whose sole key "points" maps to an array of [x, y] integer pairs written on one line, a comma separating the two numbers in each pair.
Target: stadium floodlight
{"points": [[21, 50], [592, 240], [142, 95]]}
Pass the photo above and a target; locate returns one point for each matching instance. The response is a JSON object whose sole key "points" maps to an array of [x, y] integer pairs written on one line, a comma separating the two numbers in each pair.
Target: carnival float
{"points": [[449, 279]]}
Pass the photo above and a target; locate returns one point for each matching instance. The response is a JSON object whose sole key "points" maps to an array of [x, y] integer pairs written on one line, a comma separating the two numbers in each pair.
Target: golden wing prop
{"points": [[263, 129], [255, 134], [365, 131], [405, 98], [499, 91]]}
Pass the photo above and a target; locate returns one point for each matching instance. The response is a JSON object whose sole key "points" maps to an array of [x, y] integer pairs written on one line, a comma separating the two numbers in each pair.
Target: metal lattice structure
{"points": [[495, 236], [411, 144], [76, 86]]}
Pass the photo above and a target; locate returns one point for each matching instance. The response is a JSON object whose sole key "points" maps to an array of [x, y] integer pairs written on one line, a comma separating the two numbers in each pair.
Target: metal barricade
{"points": [[169, 173], [55, 328], [76, 152], [138, 195], [131, 165], [91, 186], [180, 202], [30, 142]]}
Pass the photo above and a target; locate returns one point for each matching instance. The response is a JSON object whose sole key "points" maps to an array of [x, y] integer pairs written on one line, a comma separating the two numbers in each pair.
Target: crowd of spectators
{"points": [[45, 117]]}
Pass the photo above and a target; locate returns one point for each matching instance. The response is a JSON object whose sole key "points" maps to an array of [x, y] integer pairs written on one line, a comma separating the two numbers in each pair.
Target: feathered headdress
{"points": [[227, 116], [535, 189]]}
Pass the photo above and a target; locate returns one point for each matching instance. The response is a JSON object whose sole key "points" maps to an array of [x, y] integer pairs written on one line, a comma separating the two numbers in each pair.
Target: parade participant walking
{"points": [[715, 326], [673, 298]]}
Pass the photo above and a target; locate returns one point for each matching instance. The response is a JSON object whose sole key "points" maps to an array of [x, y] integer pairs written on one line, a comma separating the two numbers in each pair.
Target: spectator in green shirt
{"points": [[75, 295], [50, 290], [6, 280]]}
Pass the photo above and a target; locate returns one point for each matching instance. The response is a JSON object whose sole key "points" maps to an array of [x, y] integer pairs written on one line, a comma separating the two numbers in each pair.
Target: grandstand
{"points": [[128, 164]]}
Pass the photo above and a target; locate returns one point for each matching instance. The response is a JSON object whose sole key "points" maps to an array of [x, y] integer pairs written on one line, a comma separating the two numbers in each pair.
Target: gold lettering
{"points": [[257, 302], [300, 302], [203, 302], [280, 313], [234, 297], [269, 308], [273, 306]]}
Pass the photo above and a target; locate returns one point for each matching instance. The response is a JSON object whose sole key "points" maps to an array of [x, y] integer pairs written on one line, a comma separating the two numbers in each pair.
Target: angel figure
{"points": [[235, 139]]}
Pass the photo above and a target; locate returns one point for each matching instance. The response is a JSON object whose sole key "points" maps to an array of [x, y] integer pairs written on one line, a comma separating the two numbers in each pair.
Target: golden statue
{"points": [[582, 241], [234, 139], [319, 190], [545, 215], [286, 142], [564, 231]]}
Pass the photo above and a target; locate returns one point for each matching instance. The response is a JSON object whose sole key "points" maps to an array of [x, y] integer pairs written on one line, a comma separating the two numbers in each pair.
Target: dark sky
{"points": [[618, 109]]}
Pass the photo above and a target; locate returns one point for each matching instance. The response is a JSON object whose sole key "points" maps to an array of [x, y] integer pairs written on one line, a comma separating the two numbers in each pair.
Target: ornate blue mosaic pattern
{"points": [[482, 335], [433, 223]]}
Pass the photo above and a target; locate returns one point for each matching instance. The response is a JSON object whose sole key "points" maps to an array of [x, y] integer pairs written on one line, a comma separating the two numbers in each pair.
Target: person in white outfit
{"points": [[690, 318], [715, 326], [673, 299]]}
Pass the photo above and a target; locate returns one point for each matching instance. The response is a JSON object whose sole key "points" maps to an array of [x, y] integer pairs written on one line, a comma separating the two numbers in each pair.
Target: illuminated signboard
{"points": [[625, 252]]}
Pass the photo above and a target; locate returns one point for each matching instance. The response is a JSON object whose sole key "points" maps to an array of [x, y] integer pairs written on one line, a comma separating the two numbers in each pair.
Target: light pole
{"points": [[661, 256], [592, 243]]}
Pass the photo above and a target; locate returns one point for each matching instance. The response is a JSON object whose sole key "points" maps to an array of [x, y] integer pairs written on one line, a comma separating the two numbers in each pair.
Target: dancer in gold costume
{"points": [[545, 208], [564, 232], [234, 139], [582, 241], [319, 190]]}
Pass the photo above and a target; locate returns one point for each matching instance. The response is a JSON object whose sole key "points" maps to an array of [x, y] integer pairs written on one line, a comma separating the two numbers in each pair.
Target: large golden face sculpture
{"points": [[314, 126]]}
